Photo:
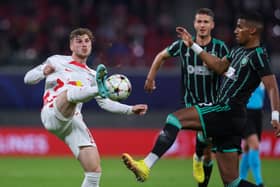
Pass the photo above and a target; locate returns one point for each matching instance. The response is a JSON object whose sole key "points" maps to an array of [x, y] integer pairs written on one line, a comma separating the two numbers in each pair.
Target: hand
{"points": [[150, 85], [185, 36], [276, 127], [48, 69], [140, 109]]}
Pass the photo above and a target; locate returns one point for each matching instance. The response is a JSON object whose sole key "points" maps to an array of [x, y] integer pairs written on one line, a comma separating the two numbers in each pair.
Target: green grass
{"points": [[65, 171]]}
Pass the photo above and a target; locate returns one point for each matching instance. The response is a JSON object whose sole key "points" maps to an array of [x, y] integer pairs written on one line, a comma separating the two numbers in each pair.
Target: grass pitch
{"points": [[66, 171]]}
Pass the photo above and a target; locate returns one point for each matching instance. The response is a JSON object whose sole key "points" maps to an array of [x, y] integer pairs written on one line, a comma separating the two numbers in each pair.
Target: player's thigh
{"points": [[188, 118], [79, 137], [228, 164], [54, 122]]}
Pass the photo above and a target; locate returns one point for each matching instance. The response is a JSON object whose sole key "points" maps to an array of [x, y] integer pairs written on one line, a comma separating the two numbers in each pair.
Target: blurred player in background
{"points": [[199, 83], [70, 83], [244, 68], [251, 156]]}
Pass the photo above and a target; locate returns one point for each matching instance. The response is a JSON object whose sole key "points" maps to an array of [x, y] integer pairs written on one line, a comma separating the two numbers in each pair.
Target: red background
{"points": [[110, 142]]}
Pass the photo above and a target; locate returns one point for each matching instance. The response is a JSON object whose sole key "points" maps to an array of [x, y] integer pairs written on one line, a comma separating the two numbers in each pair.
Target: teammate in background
{"points": [[244, 68], [251, 156], [199, 83], [70, 83]]}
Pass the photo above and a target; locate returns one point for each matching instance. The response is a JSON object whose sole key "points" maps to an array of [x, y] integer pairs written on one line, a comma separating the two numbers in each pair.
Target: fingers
{"points": [[276, 127], [142, 109], [149, 86], [180, 29]]}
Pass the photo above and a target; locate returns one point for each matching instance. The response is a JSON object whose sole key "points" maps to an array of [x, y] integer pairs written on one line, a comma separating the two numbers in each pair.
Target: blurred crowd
{"points": [[127, 32]]}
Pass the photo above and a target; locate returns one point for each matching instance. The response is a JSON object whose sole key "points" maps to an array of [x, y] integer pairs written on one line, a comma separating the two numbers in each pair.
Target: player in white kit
{"points": [[69, 83]]}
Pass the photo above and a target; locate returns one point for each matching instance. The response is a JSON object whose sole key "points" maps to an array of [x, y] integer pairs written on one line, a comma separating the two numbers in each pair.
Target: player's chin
{"points": [[237, 39], [83, 55]]}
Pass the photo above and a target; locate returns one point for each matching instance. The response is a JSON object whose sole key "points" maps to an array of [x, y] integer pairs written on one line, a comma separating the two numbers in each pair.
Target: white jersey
{"points": [[69, 73]]}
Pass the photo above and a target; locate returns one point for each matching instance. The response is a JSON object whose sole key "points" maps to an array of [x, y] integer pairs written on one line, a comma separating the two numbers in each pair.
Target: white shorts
{"points": [[73, 131]]}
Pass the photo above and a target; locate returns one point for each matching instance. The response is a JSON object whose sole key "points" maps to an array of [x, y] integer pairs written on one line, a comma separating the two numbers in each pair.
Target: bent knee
{"points": [[173, 120]]}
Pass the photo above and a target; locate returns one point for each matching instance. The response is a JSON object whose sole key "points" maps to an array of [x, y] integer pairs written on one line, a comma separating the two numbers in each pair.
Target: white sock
{"points": [[91, 179], [81, 94], [151, 159]]}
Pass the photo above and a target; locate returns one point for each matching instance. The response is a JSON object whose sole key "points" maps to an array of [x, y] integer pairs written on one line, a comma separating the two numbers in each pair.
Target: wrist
{"points": [[275, 115], [149, 79], [196, 48]]}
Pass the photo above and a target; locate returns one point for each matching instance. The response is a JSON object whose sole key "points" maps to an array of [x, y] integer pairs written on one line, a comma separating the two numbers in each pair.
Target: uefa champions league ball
{"points": [[119, 87]]}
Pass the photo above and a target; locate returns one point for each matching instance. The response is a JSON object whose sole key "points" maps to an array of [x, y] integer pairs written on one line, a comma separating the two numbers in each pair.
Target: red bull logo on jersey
{"points": [[76, 83]]}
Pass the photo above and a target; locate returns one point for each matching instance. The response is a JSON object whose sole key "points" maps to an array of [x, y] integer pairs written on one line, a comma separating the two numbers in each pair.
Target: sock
{"points": [[255, 165], [91, 179], [200, 146], [151, 159], [207, 167], [234, 183], [81, 94], [165, 139], [244, 165], [244, 183]]}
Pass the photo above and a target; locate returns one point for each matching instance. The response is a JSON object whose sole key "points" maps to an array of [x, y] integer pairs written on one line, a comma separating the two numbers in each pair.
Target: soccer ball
{"points": [[119, 87]]}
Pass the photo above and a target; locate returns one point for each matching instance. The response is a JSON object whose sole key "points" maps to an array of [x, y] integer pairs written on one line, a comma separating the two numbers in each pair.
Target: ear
{"points": [[252, 30], [213, 25], [71, 46]]}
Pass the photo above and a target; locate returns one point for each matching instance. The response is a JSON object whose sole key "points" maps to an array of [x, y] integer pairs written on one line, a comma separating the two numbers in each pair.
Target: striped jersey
{"points": [[199, 83], [247, 66]]}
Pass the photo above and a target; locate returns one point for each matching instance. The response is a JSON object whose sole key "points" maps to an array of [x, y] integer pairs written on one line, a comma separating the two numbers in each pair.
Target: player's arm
{"points": [[38, 73], [271, 87], [117, 107], [158, 61], [219, 65]]}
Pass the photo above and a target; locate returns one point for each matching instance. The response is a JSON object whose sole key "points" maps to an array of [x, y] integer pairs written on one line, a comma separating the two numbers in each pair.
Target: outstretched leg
{"points": [[184, 118]]}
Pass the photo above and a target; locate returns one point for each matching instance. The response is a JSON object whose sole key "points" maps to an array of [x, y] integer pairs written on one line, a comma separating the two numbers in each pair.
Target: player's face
{"points": [[242, 32], [81, 46], [203, 25]]}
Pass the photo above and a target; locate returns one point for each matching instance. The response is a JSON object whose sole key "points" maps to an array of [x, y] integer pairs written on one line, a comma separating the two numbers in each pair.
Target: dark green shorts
{"points": [[224, 124]]}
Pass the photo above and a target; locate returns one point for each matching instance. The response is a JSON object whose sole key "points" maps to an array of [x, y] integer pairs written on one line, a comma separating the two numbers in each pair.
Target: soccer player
{"points": [[252, 135], [199, 83], [69, 83], [244, 68]]}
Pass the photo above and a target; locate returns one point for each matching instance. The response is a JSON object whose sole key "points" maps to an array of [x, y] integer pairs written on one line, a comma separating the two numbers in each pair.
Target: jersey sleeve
{"points": [[224, 50], [260, 62], [113, 106], [35, 75], [229, 55], [174, 48]]}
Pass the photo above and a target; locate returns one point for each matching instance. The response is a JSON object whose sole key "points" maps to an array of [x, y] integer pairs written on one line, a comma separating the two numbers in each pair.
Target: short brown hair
{"points": [[81, 31], [206, 11]]}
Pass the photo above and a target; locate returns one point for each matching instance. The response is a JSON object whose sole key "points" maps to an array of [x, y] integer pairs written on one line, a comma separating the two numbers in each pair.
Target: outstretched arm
{"points": [[116, 107], [150, 85], [38, 73], [220, 66], [270, 84]]}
